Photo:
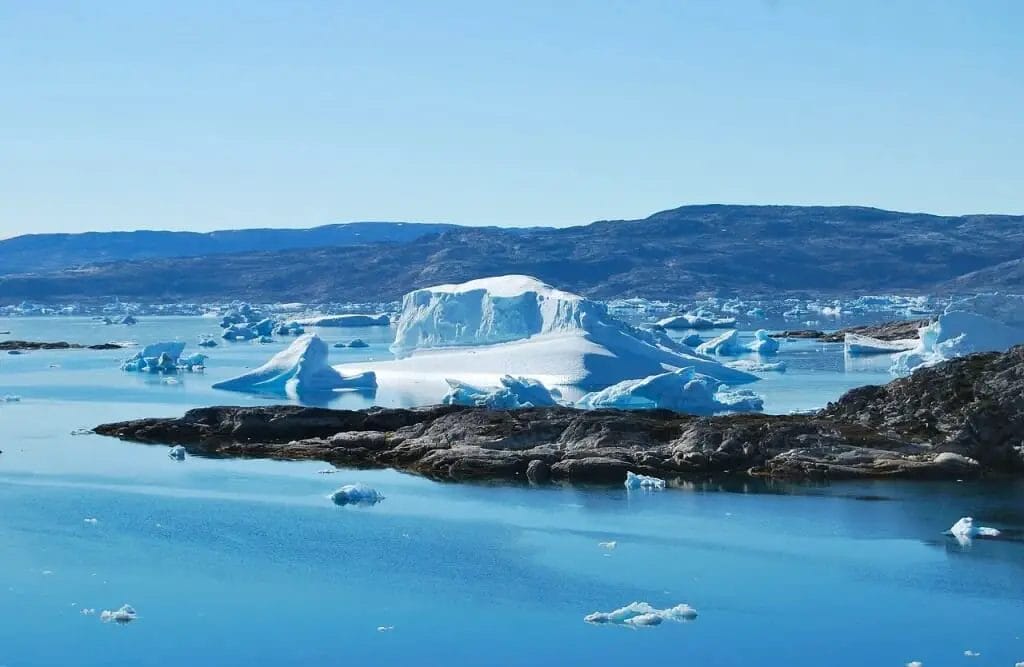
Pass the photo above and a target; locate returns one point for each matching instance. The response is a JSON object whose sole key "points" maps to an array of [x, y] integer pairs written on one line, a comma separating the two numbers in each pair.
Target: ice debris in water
{"points": [[763, 343], [684, 390], [514, 393], [635, 481], [971, 654], [752, 366], [356, 494], [642, 614], [965, 528], [915, 663], [91, 521], [607, 545], [726, 345], [177, 453], [125, 614], [10, 398], [385, 628], [88, 611]]}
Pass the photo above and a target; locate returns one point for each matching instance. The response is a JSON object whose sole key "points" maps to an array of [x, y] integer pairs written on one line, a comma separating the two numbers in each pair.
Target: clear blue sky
{"points": [[200, 115]]}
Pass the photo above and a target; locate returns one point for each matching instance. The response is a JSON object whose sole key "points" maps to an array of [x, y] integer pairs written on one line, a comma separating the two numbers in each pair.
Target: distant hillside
{"points": [[51, 252], [676, 254]]}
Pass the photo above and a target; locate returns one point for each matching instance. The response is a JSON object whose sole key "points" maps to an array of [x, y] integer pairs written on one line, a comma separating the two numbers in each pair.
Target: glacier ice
{"points": [[763, 343], [300, 369], [177, 453], [983, 323], [514, 393], [126, 614], [635, 481], [860, 345], [484, 329], [683, 390], [356, 494], [725, 345], [642, 614]]}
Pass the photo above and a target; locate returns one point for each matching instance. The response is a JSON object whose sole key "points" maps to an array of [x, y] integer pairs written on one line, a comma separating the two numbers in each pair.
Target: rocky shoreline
{"points": [[26, 345], [895, 330], [962, 418]]}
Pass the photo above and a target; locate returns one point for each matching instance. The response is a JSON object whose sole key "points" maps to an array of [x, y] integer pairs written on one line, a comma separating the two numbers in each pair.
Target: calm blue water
{"points": [[247, 562]]}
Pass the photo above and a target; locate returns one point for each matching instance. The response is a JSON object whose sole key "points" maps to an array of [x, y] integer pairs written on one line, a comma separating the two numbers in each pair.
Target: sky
{"points": [[198, 115]]}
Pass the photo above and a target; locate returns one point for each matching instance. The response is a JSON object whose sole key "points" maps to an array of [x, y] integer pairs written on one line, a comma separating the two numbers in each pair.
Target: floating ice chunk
{"points": [[91, 521], [177, 453], [693, 340], [207, 342], [358, 342], [683, 390], [155, 358], [291, 328], [965, 528], [193, 362], [128, 319], [348, 320], [858, 345], [10, 398], [971, 654], [88, 611], [763, 343], [635, 481], [608, 545], [356, 494], [385, 628], [752, 366], [236, 332], [300, 369], [725, 345], [640, 614], [699, 320], [514, 393], [125, 614]]}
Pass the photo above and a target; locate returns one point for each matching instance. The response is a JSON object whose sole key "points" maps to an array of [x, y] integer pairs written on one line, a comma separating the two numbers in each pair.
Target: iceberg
{"points": [[348, 320], [726, 345], [763, 343], [698, 320], [984, 323], [126, 614], [300, 369], [642, 614], [239, 332], [513, 394], [752, 366], [635, 481], [684, 390], [155, 358], [291, 328], [356, 494], [177, 453], [858, 345], [965, 528], [207, 342], [484, 329], [693, 340]]}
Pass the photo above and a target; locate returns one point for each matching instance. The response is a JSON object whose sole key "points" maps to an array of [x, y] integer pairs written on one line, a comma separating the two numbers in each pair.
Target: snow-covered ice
{"points": [[484, 329], [725, 345], [860, 345], [642, 614], [300, 369], [514, 393], [346, 320], [683, 390], [763, 343], [356, 494], [635, 481]]}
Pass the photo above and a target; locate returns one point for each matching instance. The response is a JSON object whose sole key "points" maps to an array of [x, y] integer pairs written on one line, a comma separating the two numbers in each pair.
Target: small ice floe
{"points": [[385, 628], [88, 611], [356, 494], [965, 530], [607, 545], [326, 471], [170, 380], [82, 431], [177, 453], [642, 614], [971, 654], [92, 521], [10, 398], [752, 366], [915, 663], [47, 573], [635, 481], [126, 614], [54, 365]]}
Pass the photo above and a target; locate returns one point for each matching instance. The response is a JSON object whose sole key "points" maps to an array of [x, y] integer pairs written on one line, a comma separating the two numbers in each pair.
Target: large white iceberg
{"points": [[983, 323], [300, 369], [857, 345], [484, 329], [683, 390], [514, 393]]}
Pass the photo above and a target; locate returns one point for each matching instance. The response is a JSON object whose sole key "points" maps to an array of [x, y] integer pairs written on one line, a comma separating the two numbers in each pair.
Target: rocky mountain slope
{"points": [[690, 251]]}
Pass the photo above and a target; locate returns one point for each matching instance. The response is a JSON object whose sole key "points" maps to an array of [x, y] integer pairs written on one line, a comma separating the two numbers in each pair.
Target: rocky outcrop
{"points": [[962, 418], [21, 345], [896, 330]]}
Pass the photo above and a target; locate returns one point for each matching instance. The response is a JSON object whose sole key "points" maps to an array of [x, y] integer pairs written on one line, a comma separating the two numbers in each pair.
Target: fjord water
{"points": [[247, 563]]}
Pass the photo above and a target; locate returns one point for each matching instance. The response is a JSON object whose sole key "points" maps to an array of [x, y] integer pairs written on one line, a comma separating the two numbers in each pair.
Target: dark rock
{"points": [[21, 345], [962, 418], [896, 330]]}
